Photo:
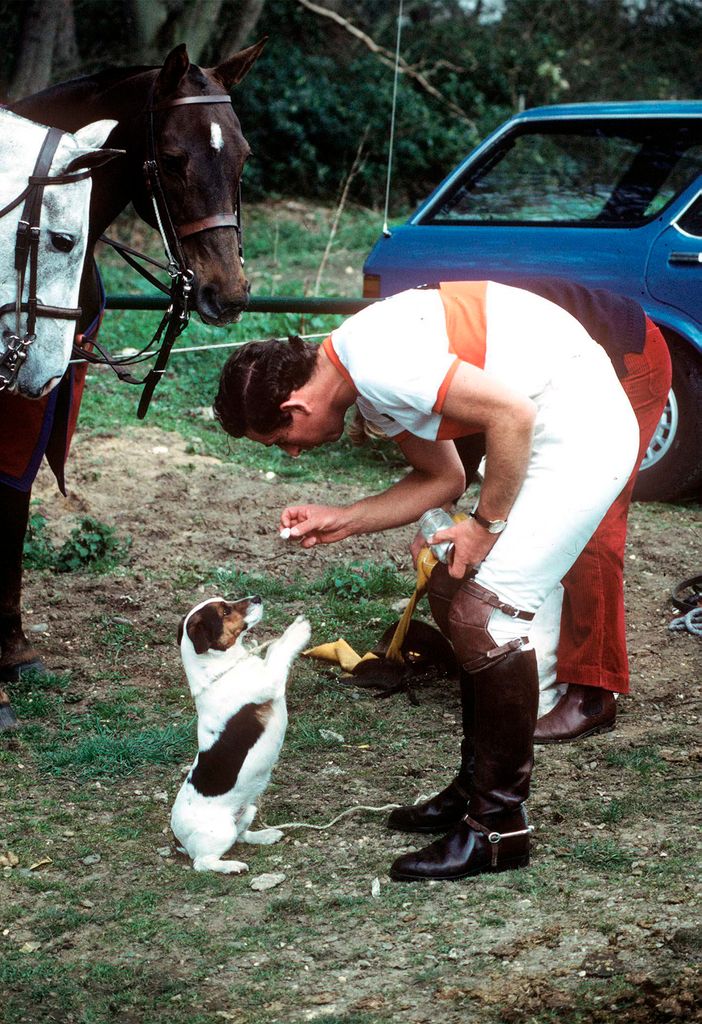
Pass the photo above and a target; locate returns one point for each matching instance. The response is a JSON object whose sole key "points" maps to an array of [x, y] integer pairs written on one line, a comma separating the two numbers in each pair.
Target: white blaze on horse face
{"points": [[216, 139], [64, 213]]}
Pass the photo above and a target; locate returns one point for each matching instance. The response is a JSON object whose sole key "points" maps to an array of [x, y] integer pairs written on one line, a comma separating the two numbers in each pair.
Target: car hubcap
{"points": [[664, 436]]}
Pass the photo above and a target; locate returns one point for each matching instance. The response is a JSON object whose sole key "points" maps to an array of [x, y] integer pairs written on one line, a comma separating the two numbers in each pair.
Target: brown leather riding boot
{"points": [[15, 649], [494, 835], [444, 810], [581, 711], [441, 591]]}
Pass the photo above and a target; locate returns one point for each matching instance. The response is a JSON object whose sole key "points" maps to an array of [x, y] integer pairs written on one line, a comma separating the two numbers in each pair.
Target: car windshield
{"points": [[601, 173]]}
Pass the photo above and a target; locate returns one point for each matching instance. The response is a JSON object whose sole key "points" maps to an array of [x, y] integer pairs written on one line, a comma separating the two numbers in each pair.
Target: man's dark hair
{"points": [[256, 379]]}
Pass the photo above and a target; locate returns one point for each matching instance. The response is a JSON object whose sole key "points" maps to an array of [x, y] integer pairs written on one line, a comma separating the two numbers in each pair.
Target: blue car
{"points": [[608, 195]]}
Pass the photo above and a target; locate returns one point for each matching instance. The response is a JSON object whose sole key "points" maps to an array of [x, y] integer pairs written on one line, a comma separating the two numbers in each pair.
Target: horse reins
{"points": [[27, 254], [177, 315]]}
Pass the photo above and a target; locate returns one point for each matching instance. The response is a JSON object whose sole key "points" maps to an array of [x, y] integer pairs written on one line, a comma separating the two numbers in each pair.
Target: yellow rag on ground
{"points": [[342, 653], [339, 653]]}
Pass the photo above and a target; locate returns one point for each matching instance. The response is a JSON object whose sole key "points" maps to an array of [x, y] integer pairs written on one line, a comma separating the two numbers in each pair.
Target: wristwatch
{"points": [[491, 525]]}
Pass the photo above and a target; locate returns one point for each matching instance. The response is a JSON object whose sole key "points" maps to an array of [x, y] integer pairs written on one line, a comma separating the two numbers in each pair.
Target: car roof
{"points": [[633, 108]]}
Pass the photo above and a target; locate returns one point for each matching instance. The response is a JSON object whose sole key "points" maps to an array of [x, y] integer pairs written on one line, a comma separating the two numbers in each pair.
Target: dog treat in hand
{"points": [[285, 533]]}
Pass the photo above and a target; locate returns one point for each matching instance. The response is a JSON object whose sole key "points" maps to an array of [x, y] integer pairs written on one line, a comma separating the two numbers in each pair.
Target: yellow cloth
{"points": [[342, 653]]}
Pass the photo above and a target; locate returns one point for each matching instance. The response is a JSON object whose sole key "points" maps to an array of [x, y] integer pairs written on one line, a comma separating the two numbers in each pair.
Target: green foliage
{"points": [[318, 90], [39, 552], [362, 580], [92, 546]]}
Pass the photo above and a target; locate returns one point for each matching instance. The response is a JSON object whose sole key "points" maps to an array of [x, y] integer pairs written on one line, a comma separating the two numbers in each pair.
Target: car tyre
{"points": [[672, 467]]}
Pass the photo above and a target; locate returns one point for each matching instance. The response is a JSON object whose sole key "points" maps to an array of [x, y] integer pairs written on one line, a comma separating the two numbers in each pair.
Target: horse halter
{"points": [[171, 233], [27, 253], [177, 315]]}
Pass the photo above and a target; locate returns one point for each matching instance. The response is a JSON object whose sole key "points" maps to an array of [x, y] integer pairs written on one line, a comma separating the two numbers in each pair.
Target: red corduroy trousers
{"points": [[592, 646]]}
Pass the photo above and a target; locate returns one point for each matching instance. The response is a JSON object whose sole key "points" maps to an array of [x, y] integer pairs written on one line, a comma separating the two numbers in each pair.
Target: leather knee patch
{"points": [[441, 591], [468, 618]]}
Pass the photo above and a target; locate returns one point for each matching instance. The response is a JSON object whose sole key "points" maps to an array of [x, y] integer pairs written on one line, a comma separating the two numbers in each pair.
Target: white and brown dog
{"points": [[242, 718]]}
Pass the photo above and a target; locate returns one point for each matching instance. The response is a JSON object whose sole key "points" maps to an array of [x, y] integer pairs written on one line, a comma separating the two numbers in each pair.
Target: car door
{"points": [[674, 269]]}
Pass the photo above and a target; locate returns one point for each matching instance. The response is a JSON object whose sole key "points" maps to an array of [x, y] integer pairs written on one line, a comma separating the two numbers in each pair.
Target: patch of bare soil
{"points": [[492, 950]]}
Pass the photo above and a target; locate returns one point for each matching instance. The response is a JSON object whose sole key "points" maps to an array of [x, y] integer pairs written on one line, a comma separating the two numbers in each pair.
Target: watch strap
{"points": [[491, 525]]}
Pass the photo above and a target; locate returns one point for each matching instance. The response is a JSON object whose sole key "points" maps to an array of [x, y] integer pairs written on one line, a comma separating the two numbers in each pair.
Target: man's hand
{"points": [[316, 524], [471, 545]]}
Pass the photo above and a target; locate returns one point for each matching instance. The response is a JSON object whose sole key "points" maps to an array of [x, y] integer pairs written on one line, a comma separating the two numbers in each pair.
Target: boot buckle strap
{"points": [[495, 838]]}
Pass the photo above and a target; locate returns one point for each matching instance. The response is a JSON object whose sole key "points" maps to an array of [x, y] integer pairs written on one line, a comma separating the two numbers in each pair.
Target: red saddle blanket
{"points": [[33, 428]]}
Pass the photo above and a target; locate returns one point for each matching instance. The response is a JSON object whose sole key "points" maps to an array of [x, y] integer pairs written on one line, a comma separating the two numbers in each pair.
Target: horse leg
{"points": [[16, 652]]}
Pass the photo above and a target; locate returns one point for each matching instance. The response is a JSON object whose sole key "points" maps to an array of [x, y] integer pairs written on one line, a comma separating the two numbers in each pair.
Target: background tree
{"points": [[47, 42], [324, 79]]}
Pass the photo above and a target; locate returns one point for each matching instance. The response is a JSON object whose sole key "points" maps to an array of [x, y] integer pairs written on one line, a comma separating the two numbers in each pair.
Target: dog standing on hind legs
{"points": [[242, 718]]}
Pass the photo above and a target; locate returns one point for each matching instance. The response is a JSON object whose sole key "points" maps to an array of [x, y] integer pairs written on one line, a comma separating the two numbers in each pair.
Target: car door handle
{"points": [[685, 258]]}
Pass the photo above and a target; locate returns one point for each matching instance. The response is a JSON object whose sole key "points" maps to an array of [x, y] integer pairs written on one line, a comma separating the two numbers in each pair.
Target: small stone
{"points": [[329, 734], [267, 881], [30, 947], [92, 858], [164, 851]]}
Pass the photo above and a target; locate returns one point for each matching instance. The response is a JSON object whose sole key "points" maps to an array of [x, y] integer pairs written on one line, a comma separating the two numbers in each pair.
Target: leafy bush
{"points": [[39, 552], [93, 546]]}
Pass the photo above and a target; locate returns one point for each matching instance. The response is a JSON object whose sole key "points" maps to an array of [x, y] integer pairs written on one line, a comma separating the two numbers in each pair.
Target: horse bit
{"points": [[27, 252], [177, 315]]}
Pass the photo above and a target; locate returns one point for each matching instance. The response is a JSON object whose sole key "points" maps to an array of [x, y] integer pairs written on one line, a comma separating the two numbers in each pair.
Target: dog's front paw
{"points": [[211, 862], [299, 632], [264, 836]]}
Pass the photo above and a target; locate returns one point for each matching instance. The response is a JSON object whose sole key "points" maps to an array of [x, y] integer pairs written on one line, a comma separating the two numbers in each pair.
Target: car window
{"points": [[691, 220], [594, 173]]}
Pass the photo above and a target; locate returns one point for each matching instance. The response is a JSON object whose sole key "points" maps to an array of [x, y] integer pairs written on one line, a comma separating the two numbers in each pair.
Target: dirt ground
{"points": [[631, 932]]}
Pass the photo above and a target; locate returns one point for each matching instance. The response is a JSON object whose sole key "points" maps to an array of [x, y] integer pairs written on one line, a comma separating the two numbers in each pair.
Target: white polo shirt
{"points": [[401, 354]]}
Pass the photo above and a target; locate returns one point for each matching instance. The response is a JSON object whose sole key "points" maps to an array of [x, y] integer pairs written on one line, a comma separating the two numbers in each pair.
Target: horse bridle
{"points": [[177, 315], [171, 233], [27, 254]]}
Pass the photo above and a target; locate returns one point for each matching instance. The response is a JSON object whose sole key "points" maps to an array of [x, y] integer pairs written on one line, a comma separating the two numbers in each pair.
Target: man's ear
{"points": [[296, 403]]}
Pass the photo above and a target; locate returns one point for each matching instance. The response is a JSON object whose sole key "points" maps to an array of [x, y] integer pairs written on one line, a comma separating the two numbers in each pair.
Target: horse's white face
{"points": [[62, 244]]}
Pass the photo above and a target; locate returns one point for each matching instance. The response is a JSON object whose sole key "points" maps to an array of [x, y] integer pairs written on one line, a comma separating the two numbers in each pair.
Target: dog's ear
{"points": [[204, 627], [200, 636], [181, 626]]}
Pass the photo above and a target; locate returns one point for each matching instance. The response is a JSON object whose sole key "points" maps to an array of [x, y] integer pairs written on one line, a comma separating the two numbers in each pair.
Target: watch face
{"points": [[491, 525]]}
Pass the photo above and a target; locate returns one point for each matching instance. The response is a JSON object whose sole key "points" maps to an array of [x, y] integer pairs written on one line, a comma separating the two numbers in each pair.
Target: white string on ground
{"points": [[349, 810], [386, 229]]}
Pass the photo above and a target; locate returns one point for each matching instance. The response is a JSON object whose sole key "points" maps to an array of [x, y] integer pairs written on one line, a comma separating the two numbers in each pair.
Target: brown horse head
{"points": [[201, 152]]}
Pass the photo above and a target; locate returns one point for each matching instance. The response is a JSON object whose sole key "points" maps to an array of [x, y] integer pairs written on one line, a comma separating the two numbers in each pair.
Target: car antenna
{"points": [[386, 230]]}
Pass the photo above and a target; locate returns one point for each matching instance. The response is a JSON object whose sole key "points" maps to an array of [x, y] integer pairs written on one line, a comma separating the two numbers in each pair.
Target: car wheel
{"points": [[672, 466]]}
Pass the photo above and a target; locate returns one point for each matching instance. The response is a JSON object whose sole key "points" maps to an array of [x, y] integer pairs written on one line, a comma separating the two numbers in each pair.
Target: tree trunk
{"points": [[66, 55], [41, 23], [148, 18], [195, 25], [241, 31]]}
